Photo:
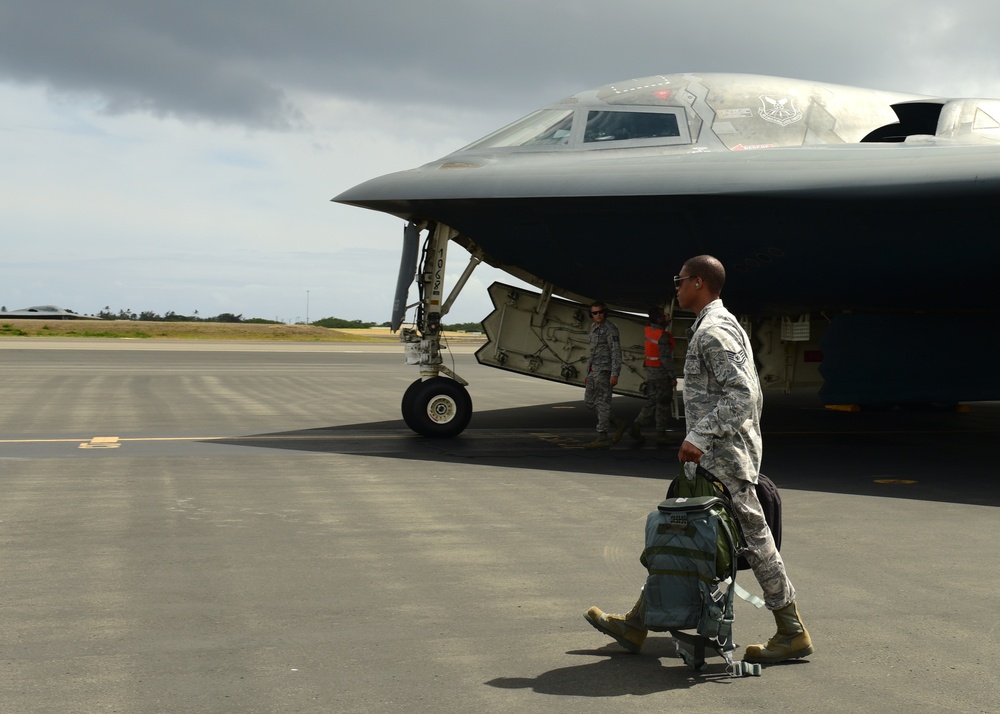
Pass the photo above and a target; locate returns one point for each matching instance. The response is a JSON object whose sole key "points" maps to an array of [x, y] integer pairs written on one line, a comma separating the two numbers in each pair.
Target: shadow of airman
{"points": [[620, 673]]}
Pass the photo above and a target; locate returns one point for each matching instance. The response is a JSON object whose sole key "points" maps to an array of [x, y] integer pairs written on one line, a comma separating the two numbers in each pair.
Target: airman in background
{"points": [[602, 376], [661, 379]]}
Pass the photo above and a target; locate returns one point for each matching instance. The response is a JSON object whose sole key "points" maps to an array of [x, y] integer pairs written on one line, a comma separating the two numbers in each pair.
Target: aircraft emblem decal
{"points": [[778, 111]]}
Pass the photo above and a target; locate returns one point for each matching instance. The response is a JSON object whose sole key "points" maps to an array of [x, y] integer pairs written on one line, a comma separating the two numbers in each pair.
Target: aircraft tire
{"points": [[438, 407], [407, 405]]}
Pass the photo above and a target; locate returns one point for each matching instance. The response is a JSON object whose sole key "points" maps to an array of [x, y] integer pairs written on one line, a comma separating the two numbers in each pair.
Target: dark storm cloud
{"points": [[161, 59], [238, 60]]}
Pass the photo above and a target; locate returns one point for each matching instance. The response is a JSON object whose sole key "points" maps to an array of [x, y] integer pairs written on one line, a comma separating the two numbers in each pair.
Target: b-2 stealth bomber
{"points": [[855, 226]]}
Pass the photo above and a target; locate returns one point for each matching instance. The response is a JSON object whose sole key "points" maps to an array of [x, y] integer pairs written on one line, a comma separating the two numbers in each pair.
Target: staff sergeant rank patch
{"points": [[739, 358]]}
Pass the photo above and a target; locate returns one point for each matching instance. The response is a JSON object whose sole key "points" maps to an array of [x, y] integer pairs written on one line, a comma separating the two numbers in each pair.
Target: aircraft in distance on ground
{"points": [[856, 227], [44, 312]]}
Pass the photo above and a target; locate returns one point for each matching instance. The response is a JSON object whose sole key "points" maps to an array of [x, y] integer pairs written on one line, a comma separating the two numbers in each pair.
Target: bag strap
{"points": [[734, 587], [714, 480], [740, 545]]}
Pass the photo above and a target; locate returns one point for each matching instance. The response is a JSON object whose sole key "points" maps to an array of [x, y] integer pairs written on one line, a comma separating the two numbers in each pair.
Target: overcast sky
{"points": [[182, 155]]}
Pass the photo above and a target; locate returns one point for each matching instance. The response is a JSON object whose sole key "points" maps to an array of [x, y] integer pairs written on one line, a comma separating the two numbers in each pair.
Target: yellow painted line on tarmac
{"points": [[959, 408], [877, 432], [101, 442]]}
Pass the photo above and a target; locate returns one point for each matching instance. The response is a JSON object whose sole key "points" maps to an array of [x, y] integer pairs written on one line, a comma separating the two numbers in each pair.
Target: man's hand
{"points": [[689, 452], [614, 379]]}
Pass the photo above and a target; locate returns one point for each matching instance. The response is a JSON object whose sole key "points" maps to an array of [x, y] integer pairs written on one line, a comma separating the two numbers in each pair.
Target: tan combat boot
{"points": [[791, 641], [629, 630], [635, 431], [619, 426], [603, 441]]}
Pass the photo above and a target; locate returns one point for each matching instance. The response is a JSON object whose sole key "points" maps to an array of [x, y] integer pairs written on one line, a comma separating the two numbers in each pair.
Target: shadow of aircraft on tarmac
{"points": [[932, 455]]}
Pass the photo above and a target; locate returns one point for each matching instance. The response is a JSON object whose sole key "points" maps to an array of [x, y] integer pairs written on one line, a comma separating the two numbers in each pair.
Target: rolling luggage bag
{"points": [[692, 549]]}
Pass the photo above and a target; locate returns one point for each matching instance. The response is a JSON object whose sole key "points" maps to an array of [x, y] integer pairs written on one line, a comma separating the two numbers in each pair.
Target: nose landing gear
{"points": [[434, 405]]}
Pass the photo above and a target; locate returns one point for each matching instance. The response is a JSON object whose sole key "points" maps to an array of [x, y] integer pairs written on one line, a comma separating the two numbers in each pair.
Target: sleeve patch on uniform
{"points": [[739, 358]]}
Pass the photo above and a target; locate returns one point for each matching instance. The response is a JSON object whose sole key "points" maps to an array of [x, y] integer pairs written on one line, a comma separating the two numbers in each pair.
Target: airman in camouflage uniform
{"points": [[660, 381], [602, 376], [722, 406]]}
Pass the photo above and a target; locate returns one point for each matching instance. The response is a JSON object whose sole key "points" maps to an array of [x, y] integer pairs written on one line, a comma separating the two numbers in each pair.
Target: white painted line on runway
{"points": [[110, 442], [565, 441], [107, 442]]}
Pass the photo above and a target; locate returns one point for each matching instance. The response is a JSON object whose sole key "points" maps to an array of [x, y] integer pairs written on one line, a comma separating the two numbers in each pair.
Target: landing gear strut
{"points": [[434, 405]]}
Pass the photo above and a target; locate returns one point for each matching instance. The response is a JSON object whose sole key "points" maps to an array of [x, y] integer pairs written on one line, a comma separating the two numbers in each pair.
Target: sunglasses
{"points": [[678, 279], [597, 312]]}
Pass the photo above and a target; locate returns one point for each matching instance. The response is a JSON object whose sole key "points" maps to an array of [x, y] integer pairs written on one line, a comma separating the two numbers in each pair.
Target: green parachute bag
{"points": [[692, 545]]}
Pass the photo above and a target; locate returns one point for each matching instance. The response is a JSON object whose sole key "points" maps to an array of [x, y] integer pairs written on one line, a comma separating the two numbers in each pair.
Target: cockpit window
{"points": [[559, 127], [622, 126], [548, 127]]}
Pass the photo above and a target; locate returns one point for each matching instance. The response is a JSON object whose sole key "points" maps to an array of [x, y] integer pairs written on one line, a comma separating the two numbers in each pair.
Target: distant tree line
{"points": [[464, 327], [338, 323], [150, 316]]}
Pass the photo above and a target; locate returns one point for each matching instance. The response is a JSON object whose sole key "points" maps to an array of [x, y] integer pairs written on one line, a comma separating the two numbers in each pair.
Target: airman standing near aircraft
{"points": [[722, 406], [660, 379], [602, 376]]}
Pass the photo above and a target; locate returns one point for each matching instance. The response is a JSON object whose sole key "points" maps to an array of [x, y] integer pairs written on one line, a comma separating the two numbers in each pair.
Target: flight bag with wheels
{"points": [[692, 548]]}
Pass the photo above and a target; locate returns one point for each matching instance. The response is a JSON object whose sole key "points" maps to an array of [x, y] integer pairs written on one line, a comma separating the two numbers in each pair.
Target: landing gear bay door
{"points": [[542, 336]]}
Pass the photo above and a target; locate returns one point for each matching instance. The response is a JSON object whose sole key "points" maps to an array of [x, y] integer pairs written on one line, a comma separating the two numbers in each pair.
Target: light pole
{"points": [[307, 307]]}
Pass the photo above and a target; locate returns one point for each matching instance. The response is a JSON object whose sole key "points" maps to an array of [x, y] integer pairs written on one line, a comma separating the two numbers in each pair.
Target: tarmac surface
{"points": [[250, 527]]}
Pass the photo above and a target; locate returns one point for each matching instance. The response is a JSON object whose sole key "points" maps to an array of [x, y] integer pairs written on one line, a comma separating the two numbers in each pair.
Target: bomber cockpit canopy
{"points": [[638, 113], [584, 128], [716, 112]]}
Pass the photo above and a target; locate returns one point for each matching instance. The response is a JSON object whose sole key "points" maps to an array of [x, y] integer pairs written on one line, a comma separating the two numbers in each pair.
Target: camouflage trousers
{"points": [[763, 557], [597, 397], [659, 399]]}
